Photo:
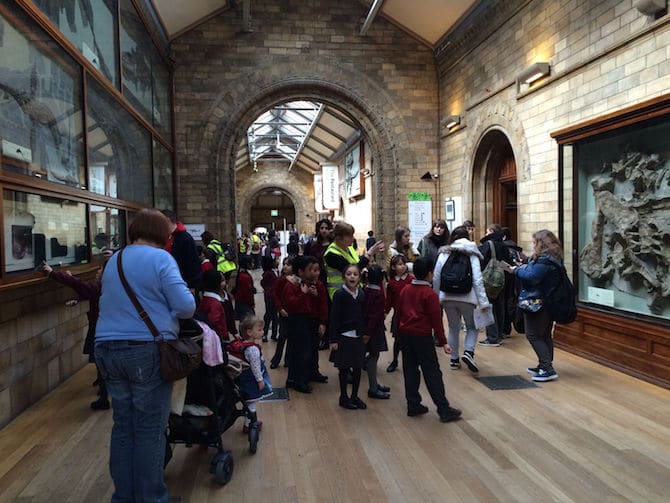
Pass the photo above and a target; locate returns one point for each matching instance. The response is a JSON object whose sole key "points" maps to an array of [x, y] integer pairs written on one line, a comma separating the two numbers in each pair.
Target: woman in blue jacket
{"points": [[128, 358], [538, 278]]}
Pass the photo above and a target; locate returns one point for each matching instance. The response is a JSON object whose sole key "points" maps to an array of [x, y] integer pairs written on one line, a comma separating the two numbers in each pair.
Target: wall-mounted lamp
{"points": [[533, 73], [429, 177], [451, 121], [650, 7]]}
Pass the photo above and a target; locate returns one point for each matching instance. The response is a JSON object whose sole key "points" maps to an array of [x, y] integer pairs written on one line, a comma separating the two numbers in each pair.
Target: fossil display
{"points": [[630, 233]]}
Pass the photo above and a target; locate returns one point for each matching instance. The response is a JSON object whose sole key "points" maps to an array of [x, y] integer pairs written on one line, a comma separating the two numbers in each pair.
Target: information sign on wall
{"points": [[318, 193], [331, 187], [420, 214]]}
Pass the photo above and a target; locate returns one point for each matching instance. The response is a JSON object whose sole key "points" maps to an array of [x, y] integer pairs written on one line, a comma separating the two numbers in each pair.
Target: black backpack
{"points": [[561, 300], [456, 274]]}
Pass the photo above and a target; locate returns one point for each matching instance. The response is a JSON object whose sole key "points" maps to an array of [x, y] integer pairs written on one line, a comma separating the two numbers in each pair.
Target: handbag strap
{"points": [[144, 316], [492, 246]]}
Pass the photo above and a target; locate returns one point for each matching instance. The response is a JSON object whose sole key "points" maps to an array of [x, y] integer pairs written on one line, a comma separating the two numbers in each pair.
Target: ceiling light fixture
{"points": [[451, 121]]}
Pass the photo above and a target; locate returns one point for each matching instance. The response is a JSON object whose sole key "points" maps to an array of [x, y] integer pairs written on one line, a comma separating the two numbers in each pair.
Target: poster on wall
{"points": [[354, 185], [420, 214], [330, 187], [318, 193]]}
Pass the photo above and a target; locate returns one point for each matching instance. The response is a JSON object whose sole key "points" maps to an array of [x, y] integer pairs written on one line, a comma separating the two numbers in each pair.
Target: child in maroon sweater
{"points": [[268, 281], [277, 295], [399, 279], [306, 302], [244, 290], [419, 316], [91, 291], [212, 284]]}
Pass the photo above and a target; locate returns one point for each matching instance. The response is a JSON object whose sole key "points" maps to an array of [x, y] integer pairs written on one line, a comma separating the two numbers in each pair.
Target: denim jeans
{"points": [[141, 404], [455, 310]]}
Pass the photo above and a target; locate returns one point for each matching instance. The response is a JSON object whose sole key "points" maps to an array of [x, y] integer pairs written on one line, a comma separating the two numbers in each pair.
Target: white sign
{"points": [[16, 151], [420, 216], [601, 296], [318, 193], [331, 187], [195, 230]]}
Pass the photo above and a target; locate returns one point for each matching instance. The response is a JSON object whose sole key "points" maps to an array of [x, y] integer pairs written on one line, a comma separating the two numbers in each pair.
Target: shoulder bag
{"points": [[179, 357]]}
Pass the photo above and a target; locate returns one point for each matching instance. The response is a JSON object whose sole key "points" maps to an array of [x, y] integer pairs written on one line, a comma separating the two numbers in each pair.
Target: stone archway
{"points": [[254, 189], [366, 103]]}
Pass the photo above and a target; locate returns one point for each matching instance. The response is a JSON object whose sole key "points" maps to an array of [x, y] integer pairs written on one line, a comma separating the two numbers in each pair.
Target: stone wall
{"points": [[224, 79], [604, 56], [40, 343]]}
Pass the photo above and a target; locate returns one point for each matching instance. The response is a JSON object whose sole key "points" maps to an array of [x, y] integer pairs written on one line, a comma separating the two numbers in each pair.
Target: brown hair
{"points": [[342, 229], [458, 233], [394, 261], [150, 225], [547, 243], [247, 324]]}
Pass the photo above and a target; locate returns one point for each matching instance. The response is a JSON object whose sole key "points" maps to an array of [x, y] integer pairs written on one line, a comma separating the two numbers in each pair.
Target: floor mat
{"points": [[278, 394], [506, 382]]}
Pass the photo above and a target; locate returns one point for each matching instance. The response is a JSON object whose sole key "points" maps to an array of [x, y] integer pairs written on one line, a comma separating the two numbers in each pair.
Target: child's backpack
{"points": [[493, 276], [561, 300], [456, 274], [228, 252]]}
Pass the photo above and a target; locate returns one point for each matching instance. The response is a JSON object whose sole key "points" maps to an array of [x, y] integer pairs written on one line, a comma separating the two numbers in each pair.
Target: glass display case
{"points": [[108, 229], [621, 218], [42, 228], [163, 193]]}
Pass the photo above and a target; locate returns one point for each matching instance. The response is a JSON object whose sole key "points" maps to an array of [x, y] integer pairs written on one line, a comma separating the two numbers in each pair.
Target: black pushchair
{"points": [[216, 389]]}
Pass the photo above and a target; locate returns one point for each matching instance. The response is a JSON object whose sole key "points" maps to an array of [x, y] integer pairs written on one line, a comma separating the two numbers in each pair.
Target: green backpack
{"points": [[493, 276]]}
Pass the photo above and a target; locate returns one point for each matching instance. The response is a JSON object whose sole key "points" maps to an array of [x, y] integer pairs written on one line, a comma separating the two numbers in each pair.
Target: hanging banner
{"points": [[420, 214], [331, 187], [318, 193]]}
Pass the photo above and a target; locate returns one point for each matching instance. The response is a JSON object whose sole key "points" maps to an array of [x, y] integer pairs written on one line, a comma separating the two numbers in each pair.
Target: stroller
{"points": [[216, 389]]}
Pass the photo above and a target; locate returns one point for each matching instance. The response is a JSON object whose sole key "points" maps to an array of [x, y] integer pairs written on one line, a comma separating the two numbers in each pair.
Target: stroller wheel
{"points": [[223, 471], [253, 438]]}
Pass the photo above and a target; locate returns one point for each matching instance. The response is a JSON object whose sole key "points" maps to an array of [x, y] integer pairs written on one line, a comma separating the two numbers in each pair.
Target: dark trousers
{"points": [[314, 350], [270, 318], [510, 303], [538, 332], [243, 310], [281, 341], [419, 352], [494, 332], [299, 349]]}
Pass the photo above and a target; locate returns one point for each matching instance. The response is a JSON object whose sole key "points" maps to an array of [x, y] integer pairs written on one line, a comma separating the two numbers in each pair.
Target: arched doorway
{"points": [[494, 181], [272, 209]]}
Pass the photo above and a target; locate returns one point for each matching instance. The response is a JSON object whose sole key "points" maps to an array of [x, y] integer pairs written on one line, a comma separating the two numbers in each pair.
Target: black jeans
{"points": [[299, 349], [270, 318], [420, 352], [538, 332], [281, 341], [494, 332]]}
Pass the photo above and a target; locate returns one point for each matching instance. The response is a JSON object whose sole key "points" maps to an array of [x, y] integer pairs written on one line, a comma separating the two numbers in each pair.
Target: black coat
{"points": [[184, 252]]}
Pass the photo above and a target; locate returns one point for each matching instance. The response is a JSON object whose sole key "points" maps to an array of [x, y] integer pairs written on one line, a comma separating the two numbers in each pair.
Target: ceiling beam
{"points": [[312, 149], [340, 117], [355, 137], [372, 14], [303, 143], [331, 132], [322, 142]]}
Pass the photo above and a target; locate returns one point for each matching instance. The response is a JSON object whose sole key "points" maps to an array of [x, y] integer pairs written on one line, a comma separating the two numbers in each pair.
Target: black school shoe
{"points": [[392, 367], [346, 403], [302, 388], [383, 389], [360, 404], [449, 414], [319, 378], [378, 394], [417, 410]]}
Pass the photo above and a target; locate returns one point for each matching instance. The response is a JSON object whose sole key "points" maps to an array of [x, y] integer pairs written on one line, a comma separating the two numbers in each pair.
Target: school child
{"points": [[373, 313], [268, 281], [254, 381], [91, 291], [212, 284], [399, 279], [244, 290], [205, 262], [347, 336], [277, 295], [419, 317], [305, 301]]}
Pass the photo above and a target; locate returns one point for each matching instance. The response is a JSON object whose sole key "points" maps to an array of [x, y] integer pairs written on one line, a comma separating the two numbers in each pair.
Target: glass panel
{"points": [[624, 219], [41, 228], [119, 150], [91, 26], [40, 105], [136, 47], [108, 229], [161, 95], [163, 194], [567, 237]]}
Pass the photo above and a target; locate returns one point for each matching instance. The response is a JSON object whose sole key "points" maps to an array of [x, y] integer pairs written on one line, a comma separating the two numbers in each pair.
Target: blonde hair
{"points": [[342, 229], [247, 324], [547, 243]]}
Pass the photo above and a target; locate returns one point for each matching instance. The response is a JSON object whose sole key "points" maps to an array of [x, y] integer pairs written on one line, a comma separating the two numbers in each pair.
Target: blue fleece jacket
{"points": [[154, 277]]}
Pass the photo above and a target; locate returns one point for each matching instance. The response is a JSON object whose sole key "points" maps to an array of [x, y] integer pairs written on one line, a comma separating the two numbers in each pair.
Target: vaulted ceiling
{"points": [[428, 20]]}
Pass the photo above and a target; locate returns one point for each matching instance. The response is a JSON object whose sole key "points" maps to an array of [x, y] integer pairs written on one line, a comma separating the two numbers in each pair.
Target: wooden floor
{"points": [[593, 435]]}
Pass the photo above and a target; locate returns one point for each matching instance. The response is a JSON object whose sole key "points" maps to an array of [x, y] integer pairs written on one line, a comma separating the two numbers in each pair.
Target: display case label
{"points": [[601, 296]]}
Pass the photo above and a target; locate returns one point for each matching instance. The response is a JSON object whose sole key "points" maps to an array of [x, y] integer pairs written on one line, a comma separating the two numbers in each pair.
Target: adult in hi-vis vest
{"points": [[223, 265], [341, 253]]}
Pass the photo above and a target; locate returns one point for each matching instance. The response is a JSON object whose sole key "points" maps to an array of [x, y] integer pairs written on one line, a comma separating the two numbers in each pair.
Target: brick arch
{"points": [[494, 117], [252, 190], [346, 89]]}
